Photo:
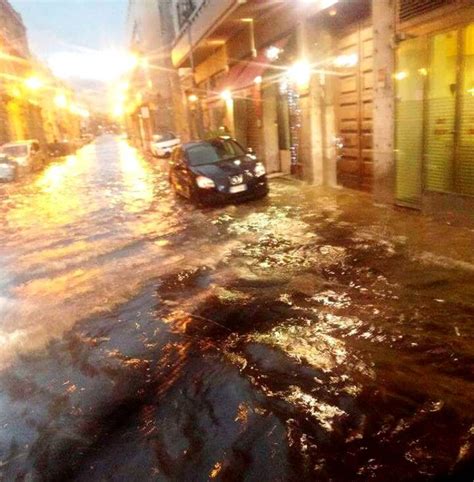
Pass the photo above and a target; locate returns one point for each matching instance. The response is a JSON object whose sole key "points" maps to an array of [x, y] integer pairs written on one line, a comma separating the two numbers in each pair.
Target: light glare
{"points": [[103, 66]]}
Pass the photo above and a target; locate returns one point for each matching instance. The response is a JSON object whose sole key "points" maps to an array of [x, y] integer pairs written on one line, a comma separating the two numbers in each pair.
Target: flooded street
{"points": [[306, 336]]}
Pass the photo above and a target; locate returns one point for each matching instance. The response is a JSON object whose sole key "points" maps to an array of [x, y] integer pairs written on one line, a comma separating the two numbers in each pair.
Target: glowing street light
{"points": [[33, 83], [272, 53], [118, 110], [258, 80], [226, 95], [74, 109], [123, 86], [300, 73], [83, 112], [60, 101], [349, 60], [401, 75], [193, 98]]}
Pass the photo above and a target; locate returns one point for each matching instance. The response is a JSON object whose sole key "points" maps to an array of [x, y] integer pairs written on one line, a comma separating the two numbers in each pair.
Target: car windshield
{"points": [[213, 151], [5, 159], [163, 137], [19, 150]]}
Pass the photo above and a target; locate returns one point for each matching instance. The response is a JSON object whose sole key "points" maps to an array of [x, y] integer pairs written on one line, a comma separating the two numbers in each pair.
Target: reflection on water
{"points": [[70, 234], [138, 181], [290, 338]]}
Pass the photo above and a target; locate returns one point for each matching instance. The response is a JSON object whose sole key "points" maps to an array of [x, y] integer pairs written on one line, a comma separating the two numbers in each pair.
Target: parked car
{"points": [[86, 138], [27, 154], [216, 170], [8, 168], [61, 148], [163, 144]]}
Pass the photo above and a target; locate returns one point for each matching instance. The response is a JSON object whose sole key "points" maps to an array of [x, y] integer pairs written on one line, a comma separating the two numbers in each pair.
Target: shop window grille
{"points": [[409, 9]]}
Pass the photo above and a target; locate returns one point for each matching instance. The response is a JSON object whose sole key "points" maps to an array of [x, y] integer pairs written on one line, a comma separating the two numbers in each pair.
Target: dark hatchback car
{"points": [[217, 170], [61, 148]]}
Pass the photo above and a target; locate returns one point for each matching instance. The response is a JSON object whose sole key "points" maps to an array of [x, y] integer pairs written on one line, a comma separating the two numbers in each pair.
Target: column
{"points": [[383, 15]]}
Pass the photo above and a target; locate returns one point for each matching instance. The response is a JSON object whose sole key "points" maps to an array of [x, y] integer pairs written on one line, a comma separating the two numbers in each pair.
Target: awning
{"points": [[243, 74]]}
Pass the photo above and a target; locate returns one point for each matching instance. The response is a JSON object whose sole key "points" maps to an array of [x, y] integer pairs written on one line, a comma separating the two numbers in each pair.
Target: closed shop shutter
{"points": [[240, 121], [410, 80], [409, 9], [435, 115], [441, 107], [246, 123], [253, 130], [465, 162]]}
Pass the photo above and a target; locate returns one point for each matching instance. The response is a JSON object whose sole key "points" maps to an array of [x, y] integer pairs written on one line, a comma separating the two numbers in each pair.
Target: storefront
{"points": [[435, 118]]}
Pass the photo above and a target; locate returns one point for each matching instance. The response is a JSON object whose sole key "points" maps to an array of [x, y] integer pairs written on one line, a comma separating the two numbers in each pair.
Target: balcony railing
{"points": [[200, 24]]}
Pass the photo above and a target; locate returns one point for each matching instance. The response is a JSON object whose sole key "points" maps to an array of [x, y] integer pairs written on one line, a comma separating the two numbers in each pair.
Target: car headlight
{"points": [[259, 169], [205, 183]]}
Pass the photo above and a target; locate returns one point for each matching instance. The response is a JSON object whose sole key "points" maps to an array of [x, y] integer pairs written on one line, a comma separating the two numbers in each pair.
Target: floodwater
{"points": [[307, 336]]}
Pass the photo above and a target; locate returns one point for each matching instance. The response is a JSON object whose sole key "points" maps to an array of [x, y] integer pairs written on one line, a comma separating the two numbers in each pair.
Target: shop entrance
{"points": [[435, 115]]}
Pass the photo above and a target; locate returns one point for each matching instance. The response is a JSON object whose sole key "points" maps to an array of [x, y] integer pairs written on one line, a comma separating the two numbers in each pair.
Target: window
{"points": [[164, 137], [213, 151], [19, 150]]}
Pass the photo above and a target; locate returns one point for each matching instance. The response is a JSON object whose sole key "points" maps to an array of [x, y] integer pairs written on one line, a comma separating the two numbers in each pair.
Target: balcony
{"points": [[214, 22], [201, 25], [211, 25]]}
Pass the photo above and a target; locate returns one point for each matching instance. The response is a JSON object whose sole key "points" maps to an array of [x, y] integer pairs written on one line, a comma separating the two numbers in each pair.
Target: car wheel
{"points": [[194, 196], [171, 181]]}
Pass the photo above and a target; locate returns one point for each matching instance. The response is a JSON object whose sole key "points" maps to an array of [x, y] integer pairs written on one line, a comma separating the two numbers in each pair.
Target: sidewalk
{"points": [[441, 241]]}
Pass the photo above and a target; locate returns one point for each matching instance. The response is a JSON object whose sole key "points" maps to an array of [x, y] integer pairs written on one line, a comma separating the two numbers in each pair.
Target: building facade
{"points": [[373, 95], [153, 85], [28, 90]]}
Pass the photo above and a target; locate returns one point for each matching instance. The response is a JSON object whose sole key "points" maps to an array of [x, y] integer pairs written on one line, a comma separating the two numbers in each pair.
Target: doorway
{"points": [[276, 130], [354, 98]]}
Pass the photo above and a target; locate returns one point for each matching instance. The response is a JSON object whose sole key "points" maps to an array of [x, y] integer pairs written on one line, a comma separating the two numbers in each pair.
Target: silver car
{"points": [[163, 144], [8, 168]]}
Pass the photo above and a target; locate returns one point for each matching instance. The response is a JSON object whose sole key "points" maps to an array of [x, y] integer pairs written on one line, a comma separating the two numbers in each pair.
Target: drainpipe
{"points": [[198, 112]]}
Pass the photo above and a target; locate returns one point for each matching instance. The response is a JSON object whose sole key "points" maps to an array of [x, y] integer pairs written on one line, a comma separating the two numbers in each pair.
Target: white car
{"points": [[27, 154], [8, 168], [162, 144]]}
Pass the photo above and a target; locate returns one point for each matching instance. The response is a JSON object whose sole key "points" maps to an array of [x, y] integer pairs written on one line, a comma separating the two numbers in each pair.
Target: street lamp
{"points": [[33, 83], [300, 73], [60, 101], [272, 53], [226, 95]]}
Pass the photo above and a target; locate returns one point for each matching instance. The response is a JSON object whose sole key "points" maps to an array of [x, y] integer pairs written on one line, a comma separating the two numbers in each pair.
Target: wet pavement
{"points": [[307, 336]]}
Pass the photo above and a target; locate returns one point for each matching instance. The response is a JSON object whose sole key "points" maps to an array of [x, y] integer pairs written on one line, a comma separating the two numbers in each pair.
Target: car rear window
{"points": [[15, 151], [213, 151], [163, 137]]}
